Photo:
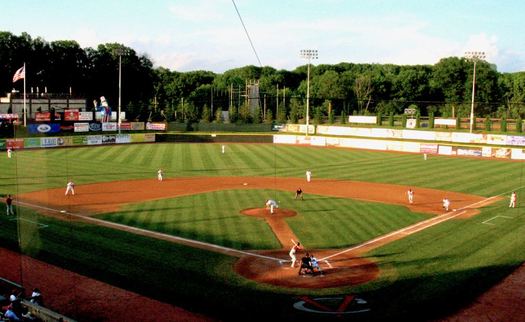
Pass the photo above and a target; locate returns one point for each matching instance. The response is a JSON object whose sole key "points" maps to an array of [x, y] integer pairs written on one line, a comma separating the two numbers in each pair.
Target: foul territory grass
{"points": [[423, 275]]}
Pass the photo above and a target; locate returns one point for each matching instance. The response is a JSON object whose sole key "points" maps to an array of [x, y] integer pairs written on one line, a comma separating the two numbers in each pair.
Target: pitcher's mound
{"points": [[263, 212]]}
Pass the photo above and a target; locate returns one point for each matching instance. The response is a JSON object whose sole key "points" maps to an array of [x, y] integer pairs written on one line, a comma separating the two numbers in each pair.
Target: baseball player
{"points": [[446, 203], [308, 175], [9, 153], [299, 193], [272, 205], [9, 205], [159, 175], [70, 187], [223, 148], [410, 194], [295, 248], [512, 200]]}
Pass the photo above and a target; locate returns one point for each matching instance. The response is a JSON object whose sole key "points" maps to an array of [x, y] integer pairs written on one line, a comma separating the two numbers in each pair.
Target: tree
{"points": [[206, 114], [269, 117], [363, 92], [218, 115]]}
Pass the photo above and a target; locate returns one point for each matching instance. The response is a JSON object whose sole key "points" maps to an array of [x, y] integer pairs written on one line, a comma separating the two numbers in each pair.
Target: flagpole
{"points": [[25, 110]]}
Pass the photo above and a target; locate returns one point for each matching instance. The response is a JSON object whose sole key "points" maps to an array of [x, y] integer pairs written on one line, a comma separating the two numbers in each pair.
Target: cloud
{"points": [[197, 11]]}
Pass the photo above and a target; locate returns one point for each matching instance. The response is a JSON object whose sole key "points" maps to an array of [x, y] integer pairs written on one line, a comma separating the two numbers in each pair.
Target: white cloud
{"points": [[197, 11]]}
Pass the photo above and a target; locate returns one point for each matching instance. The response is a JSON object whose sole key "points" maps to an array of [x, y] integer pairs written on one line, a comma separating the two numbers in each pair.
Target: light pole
{"points": [[474, 56], [308, 54], [120, 51]]}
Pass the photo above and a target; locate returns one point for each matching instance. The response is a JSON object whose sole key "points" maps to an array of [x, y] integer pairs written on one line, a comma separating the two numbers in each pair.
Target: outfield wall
{"points": [[80, 140], [406, 134], [403, 146]]}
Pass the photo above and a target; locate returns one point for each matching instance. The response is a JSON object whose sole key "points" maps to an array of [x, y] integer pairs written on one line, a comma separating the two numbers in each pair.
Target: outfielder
{"points": [[159, 175], [9, 153], [512, 200], [271, 204], [70, 187], [223, 148]]}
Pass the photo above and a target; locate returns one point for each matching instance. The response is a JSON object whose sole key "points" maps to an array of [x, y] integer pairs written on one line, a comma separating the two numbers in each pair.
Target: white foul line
{"points": [[486, 222], [430, 223], [145, 231]]}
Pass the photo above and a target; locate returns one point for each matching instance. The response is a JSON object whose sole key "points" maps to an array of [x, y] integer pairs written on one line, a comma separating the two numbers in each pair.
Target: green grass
{"points": [[322, 222], [426, 274]]}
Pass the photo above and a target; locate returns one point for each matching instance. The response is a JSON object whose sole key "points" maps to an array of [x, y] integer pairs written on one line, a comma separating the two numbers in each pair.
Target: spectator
{"points": [[36, 297], [11, 314]]}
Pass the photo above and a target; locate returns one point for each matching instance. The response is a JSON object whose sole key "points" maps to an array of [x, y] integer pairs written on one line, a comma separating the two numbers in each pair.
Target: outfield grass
{"points": [[424, 275]]}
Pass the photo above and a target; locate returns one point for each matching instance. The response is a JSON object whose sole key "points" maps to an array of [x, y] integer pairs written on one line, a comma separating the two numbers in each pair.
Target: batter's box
{"points": [[30, 221], [492, 220]]}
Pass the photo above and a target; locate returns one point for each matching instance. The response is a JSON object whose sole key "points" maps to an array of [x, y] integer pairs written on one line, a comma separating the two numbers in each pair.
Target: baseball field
{"points": [[202, 240]]}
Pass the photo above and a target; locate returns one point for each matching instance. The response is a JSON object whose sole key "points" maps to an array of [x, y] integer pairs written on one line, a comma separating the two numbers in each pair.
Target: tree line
{"points": [[443, 89]]}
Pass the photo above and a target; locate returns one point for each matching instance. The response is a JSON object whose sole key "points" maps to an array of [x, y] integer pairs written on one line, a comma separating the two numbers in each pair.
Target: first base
{"points": [[245, 184], [62, 211]]}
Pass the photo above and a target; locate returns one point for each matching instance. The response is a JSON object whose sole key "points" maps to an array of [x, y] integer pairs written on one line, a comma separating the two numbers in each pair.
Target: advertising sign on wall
{"points": [[9, 116], [94, 139], [123, 138], [43, 128], [108, 139], [81, 127], [448, 122], [428, 148], [32, 143], [109, 126], [48, 142], [14, 143], [95, 127], [155, 126], [125, 126], [137, 126], [70, 115], [362, 119], [45, 116], [85, 116]]}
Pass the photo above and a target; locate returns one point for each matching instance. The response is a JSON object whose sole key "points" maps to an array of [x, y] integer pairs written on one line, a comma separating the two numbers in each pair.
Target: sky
{"points": [[188, 35]]}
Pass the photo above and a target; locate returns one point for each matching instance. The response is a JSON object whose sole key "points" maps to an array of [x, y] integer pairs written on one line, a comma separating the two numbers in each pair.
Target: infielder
{"points": [[292, 252], [271, 204], [159, 175], [410, 194], [308, 175], [446, 203], [70, 187], [512, 200]]}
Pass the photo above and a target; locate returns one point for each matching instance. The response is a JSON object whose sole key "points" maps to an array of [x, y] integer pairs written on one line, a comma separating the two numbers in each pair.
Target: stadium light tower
{"points": [[120, 51], [474, 56], [308, 54]]}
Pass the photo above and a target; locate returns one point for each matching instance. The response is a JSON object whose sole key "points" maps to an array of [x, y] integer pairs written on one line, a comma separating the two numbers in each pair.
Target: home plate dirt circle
{"points": [[344, 270]]}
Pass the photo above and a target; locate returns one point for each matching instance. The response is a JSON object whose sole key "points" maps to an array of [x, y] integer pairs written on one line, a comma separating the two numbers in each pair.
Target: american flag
{"points": [[20, 73]]}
